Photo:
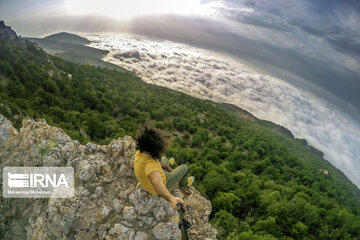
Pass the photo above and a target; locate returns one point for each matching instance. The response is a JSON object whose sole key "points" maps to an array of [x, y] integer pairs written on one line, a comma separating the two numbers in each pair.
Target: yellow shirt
{"points": [[144, 164]]}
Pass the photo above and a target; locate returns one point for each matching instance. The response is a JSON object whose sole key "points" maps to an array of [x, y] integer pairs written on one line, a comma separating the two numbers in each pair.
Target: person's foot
{"points": [[191, 180], [172, 161]]}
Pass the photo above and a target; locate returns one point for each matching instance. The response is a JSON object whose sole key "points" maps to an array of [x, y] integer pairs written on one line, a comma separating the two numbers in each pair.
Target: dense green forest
{"points": [[262, 183]]}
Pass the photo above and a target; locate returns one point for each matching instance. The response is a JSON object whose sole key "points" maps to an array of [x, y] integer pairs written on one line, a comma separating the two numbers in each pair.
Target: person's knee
{"points": [[184, 167], [164, 160]]}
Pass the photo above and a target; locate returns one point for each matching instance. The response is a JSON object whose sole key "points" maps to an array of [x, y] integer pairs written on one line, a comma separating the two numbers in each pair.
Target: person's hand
{"points": [[174, 201], [169, 169]]}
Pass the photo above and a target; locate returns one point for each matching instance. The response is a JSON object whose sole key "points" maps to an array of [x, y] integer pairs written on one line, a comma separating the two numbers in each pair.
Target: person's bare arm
{"points": [[160, 188], [165, 166]]}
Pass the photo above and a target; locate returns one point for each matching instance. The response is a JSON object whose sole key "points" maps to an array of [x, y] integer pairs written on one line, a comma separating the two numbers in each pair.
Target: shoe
{"points": [[191, 180], [172, 161]]}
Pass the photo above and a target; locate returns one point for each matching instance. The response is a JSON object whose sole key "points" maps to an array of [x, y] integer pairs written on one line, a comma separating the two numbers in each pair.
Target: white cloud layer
{"points": [[208, 75]]}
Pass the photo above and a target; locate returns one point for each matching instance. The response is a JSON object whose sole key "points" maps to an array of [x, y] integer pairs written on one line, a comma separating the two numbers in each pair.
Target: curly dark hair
{"points": [[151, 140]]}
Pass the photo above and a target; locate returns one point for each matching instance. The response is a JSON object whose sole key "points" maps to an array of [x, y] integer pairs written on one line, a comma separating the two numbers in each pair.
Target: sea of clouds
{"points": [[208, 75]]}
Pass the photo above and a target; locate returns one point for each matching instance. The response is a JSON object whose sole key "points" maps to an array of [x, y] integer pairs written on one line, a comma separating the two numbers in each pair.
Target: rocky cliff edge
{"points": [[107, 204]]}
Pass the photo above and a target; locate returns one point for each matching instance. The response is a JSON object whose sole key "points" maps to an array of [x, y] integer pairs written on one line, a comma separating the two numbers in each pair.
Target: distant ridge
{"points": [[72, 47], [65, 37]]}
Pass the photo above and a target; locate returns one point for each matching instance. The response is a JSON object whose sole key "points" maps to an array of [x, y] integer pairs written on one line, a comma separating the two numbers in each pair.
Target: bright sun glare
{"points": [[121, 9]]}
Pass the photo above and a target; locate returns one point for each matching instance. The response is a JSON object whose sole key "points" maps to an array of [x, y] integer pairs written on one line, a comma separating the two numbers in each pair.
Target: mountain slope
{"points": [[73, 48], [67, 38], [262, 183]]}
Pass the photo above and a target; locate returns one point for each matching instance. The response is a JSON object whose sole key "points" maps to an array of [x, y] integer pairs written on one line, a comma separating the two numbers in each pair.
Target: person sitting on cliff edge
{"points": [[153, 174]]}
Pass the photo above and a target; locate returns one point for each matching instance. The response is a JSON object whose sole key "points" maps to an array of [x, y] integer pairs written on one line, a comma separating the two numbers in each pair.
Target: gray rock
{"points": [[121, 232], [127, 224], [5, 129], [129, 213], [142, 236], [147, 221], [167, 231], [105, 211], [117, 205], [93, 147], [123, 169], [103, 230], [85, 235], [160, 214], [86, 171], [98, 192], [116, 148]]}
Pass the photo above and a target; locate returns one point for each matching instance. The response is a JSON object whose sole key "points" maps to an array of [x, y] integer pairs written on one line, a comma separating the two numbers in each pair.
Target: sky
{"points": [[312, 45]]}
